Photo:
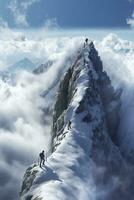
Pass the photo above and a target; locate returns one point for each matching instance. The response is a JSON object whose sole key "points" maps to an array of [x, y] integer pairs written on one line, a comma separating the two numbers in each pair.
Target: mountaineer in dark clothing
{"points": [[69, 125], [42, 158], [86, 42]]}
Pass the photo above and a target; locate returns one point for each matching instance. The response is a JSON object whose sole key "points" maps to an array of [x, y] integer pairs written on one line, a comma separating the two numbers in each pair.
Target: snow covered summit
{"points": [[85, 162]]}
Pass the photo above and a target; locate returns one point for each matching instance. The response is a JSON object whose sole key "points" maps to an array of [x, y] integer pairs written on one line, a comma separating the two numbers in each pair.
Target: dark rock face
{"points": [[101, 87], [97, 63], [111, 100], [29, 197], [65, 94], [87, 118], [28, 180], [61, 104]]}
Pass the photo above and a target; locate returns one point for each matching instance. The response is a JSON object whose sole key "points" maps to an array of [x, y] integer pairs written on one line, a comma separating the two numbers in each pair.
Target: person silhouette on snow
{"points": [[69, 125], [42, 158], [86, 42]]}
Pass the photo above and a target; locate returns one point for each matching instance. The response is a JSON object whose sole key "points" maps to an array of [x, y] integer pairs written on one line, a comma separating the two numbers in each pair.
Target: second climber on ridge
{"points": [[42, 158]]}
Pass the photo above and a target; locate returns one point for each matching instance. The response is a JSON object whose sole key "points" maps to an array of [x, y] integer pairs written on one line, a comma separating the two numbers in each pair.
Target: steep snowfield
{"points": [[83, 152]]}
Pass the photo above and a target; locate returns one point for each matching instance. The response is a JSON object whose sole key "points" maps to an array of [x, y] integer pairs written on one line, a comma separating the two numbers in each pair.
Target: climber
{"points": [[69, 125], [86, 42], [42, 158]]}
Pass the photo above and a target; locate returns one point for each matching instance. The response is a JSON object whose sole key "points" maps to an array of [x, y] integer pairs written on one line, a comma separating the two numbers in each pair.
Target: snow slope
{"points": [[85, 162]]}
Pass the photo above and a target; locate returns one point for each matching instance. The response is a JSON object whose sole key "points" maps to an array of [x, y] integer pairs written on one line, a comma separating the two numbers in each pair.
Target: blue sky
{"points": [[67, 13]]}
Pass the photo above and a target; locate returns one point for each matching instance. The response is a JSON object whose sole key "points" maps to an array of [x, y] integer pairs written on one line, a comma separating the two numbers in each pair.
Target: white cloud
{"points": [[19, 11], [7, 34], [3, 23], [23, 132], [16, 45], [51, 24], [130, 21]]}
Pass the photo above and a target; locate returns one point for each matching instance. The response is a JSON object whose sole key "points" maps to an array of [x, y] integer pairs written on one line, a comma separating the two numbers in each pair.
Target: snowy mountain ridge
{"points": [[85, 158]]}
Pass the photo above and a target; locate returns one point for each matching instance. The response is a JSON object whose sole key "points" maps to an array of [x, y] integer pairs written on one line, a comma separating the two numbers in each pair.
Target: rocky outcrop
{"points": [[43, 67], [28, 179]]}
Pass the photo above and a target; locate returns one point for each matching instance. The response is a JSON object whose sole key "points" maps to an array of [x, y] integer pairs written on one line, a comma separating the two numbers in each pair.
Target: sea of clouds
{"points": [[24, 128]]}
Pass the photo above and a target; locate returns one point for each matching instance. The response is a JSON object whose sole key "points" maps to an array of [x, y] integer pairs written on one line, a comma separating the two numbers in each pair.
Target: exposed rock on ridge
{"points": [[110, 98]]}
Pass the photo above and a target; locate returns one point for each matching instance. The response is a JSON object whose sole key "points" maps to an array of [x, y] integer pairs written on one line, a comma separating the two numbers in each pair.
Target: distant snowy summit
{"points": [[8, 75], [24, 64], [85, 162]]}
